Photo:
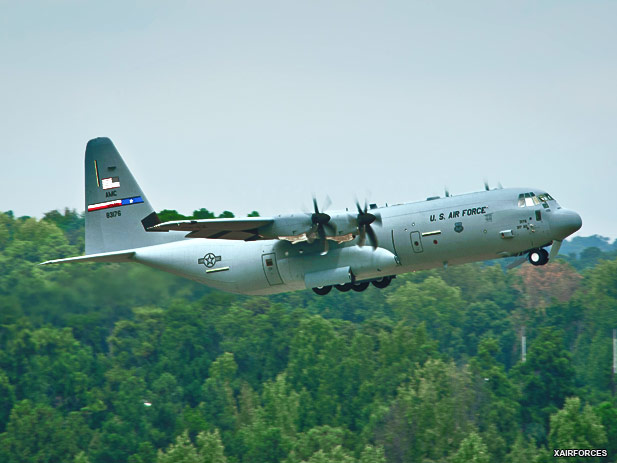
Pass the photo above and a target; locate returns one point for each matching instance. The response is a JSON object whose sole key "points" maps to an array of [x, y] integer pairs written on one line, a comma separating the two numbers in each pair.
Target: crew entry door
{"points": [[271, 269]]}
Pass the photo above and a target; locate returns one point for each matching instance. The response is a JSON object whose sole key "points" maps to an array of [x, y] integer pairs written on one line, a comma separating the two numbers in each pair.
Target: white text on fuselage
{"points": [[459, 213]]}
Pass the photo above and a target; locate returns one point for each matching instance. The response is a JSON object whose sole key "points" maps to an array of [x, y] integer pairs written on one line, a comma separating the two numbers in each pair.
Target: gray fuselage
{"points": [[413, 236]]}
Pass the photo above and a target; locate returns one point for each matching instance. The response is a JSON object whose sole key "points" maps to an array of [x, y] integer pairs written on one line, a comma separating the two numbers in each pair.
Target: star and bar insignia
{"points": [[209, 260]]}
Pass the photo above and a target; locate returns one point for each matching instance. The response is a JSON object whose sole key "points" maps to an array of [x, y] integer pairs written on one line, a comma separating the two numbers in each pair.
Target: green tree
{"points": [[607, 412], [523, 451], [169, 215], [431, 415], [39, 433], [436, 304], [181, 451], [7, 399], [472, 450], [321, 441], [546, 379], [576, 427], [210, 447], [496, 397]]}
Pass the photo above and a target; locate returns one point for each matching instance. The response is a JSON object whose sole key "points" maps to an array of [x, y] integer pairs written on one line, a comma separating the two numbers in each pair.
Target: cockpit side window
{"points": [[545, 197], [521, 200]]}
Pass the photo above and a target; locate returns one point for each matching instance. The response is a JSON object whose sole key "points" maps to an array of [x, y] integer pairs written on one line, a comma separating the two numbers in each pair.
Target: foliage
{"points": [[116, 362]]}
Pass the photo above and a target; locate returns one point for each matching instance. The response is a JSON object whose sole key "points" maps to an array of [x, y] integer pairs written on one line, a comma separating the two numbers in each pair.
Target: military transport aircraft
{"points": [[268, 255]]}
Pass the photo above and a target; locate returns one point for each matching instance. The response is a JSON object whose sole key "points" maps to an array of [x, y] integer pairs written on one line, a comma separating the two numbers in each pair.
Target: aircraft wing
{"points": [[227, 229]]}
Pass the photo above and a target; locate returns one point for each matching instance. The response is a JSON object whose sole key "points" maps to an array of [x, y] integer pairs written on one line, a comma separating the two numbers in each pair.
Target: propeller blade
{"points": [[362, 237], [486, 185], [372, 236], [331, 229], [326, 247], [447, 192], [327, 203], [315, 207], [360, 211], [377, 218], [554, 250]]}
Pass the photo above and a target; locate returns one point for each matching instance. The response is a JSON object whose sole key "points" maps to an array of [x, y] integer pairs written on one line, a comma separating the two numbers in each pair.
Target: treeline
{"points": [[115, 362]]}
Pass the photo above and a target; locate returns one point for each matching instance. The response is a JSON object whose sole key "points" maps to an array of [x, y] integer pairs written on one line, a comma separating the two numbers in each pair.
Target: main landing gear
{"points": [[358, 287], [538, 256]]}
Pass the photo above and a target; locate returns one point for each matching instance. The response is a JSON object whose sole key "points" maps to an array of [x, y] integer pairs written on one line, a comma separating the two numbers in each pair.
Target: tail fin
{"points": [[117, 211]]}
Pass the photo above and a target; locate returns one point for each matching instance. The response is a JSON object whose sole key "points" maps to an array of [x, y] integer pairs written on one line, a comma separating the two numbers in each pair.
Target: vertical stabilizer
{"points": [[117, 211]]}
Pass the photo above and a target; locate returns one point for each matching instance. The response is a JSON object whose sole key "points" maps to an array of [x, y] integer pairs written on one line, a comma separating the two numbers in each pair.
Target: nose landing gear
{"points": [[538, 256]]}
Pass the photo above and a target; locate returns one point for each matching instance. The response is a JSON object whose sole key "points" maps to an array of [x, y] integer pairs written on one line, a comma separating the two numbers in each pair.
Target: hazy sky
{"points": [[244, 105]]}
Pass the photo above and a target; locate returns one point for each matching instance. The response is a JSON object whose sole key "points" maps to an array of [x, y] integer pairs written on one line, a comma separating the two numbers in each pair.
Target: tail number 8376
{"points": [[113, 214]]}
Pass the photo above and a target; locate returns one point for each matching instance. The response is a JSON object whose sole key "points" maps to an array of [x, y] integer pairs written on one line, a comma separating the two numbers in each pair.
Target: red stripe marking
{"points": [[96, 207]]}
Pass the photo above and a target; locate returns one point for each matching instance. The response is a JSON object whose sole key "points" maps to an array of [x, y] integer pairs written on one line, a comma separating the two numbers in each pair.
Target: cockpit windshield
{"points": [[531, 199]]}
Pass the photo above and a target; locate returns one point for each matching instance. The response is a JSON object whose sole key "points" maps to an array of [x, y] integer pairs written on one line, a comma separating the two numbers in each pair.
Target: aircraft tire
{"points": [[322, 290], [538, 257], [359, 287], [382, 282], [344, 287]]}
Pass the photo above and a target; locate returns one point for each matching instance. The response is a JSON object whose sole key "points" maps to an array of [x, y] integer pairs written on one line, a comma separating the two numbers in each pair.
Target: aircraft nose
{"points": [[564, 222]]}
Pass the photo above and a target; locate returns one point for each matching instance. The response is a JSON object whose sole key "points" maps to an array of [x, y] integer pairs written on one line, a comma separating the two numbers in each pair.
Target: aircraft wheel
{"points": [[322, 290], [344, 288], [538, 257], [359, 287], [382, 282]]}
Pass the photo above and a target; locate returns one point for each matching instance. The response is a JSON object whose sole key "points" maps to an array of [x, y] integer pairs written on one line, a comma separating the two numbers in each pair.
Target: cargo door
{"points": [[271, 269], [416, 242]]}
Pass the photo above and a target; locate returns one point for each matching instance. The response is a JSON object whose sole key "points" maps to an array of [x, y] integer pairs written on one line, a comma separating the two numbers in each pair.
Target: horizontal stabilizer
{"points": [[117, 256], [227, 229]]}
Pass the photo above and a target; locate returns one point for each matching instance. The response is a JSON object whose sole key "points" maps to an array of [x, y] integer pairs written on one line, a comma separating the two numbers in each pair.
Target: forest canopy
{"points": [[119, 362]]}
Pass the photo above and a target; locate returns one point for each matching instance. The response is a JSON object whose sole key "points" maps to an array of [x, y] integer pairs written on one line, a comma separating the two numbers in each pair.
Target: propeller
{"points": [[320, 221], [365, 219], [486, 187]]}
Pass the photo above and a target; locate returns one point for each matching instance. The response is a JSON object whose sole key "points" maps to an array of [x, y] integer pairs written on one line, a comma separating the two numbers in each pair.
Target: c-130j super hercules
{"points": [[268, 255]]}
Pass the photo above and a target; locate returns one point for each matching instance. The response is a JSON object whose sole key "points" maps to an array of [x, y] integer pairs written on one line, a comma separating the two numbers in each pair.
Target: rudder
{"points": [[117, 211]]}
